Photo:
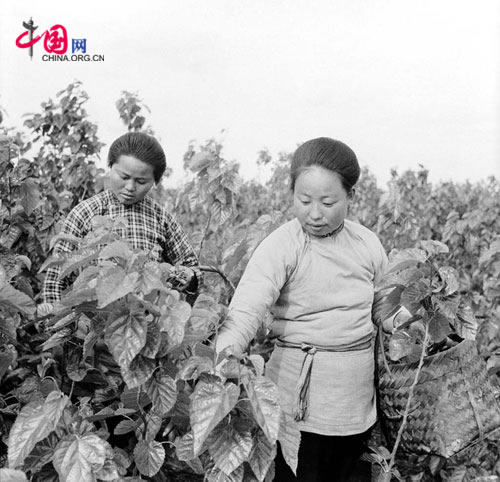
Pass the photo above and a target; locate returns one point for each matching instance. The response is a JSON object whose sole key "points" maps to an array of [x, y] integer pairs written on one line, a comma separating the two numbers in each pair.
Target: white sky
{"points": [[402, 82]]}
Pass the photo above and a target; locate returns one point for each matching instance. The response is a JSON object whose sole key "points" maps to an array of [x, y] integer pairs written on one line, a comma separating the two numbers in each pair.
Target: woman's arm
{"points": [[257, 291], [73, 226], [178, 251]]}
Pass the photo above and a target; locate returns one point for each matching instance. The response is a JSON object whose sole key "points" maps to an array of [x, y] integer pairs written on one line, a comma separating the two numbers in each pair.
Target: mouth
{"points": [[316, 227], [127, 197]]}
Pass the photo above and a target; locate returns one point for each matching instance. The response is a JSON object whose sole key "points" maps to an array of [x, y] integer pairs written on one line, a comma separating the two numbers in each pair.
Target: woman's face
{"points": [[320, 201], [131, 179]]}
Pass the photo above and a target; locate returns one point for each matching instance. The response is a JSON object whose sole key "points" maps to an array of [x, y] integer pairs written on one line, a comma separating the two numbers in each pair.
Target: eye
{"points": [[305, 202], [329, 204], [141, 181]]}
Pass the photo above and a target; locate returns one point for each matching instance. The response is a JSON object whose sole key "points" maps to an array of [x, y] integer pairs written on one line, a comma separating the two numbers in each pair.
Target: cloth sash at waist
{"points": [[301, 392]]}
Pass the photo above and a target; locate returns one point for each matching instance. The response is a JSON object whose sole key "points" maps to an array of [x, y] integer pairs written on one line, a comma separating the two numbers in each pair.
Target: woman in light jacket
{"points": [[317, 275]]}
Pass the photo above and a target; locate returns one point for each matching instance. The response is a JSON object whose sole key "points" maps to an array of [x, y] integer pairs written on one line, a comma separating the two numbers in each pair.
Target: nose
{"points": [[130, 185], [315, 212]]}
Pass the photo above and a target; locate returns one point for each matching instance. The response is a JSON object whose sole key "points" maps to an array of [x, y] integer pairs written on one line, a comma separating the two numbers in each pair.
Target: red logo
{"points": [[55, 38]]}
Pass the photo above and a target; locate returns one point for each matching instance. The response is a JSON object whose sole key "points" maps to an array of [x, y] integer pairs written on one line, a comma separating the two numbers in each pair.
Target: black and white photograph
{"points": [[250, 241]]}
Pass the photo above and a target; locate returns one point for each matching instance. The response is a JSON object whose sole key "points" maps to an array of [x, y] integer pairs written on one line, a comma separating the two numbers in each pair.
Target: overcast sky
{"points": [[402, 82]]}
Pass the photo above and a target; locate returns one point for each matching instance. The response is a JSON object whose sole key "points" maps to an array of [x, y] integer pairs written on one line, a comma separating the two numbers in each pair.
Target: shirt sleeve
{"points": [[259, 288], [74, 225], [381, 263], [178, 250]]}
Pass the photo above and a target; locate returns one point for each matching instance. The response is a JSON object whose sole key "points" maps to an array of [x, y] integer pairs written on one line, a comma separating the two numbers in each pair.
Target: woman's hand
{"points": [[44, 309], [181, 277], [391, 324]]}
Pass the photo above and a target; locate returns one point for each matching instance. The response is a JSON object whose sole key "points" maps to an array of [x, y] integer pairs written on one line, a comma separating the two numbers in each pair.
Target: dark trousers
{"points": [[324, 458]]}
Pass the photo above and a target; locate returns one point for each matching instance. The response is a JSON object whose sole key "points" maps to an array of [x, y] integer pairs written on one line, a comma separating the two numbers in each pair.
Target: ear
{"points": [[351, 194]]}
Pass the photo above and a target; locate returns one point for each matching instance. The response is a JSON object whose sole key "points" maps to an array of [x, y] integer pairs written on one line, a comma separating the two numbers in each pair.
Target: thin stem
{"points": [[213, 269], [84, 193], [72, 387], [168, 441], [410, 397], [142, 414], [216, 337], [9, 188], [205, 233]]}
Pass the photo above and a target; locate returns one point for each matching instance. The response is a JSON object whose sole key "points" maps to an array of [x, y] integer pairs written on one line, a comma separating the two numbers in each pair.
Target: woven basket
{"points": [[453, 404]]}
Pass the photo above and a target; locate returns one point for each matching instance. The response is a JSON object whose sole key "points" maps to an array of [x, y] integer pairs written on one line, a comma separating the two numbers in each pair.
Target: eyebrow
{"points": [[136, 178], [323, 197]]}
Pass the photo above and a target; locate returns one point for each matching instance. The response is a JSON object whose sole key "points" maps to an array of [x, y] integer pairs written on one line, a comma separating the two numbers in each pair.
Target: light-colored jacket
{"points": [[319, 290]]}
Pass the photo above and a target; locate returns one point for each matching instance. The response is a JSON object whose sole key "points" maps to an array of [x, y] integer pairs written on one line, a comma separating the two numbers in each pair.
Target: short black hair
{"points": [[142, 146], [329, 154]]}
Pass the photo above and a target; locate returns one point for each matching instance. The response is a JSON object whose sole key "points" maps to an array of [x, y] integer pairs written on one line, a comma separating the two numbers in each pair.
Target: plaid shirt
{"points": [[149, 226]]}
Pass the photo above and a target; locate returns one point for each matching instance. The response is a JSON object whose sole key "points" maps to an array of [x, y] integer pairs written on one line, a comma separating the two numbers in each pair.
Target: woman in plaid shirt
{"points": [[136, 162]]}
